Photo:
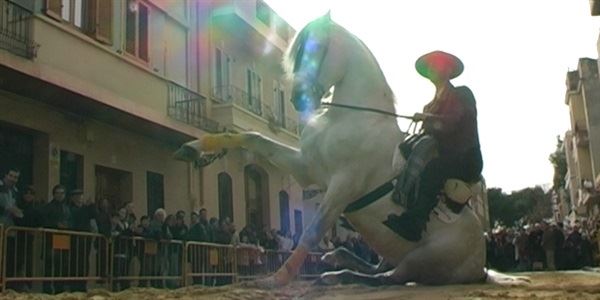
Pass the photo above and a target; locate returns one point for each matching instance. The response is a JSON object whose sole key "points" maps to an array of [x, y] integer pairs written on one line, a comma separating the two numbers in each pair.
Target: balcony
{"points": [[276, 122], [230, 94], [189, 107], [15, 29]]}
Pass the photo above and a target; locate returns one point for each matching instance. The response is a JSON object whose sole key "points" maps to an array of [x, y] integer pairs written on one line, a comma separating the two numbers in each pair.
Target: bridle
{"points": [[318, 89]]}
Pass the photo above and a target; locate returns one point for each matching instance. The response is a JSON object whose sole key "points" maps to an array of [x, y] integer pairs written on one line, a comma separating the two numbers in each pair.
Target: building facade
{"points": [[99, 94], [582, 141]]}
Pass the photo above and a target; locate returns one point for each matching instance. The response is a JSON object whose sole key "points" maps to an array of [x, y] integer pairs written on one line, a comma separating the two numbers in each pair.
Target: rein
{"points": [[375, 110], [412, 127]]}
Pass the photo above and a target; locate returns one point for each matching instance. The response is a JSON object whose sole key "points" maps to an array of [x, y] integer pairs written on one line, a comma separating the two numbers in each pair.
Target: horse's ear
{"points": [[327, 16]]}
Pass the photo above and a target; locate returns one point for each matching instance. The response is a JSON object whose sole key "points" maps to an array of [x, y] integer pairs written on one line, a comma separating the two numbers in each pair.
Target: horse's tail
{"points": [[495, 277]]}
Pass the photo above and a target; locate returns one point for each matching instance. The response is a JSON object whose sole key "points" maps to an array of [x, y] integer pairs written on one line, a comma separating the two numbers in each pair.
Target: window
{"points": [[279, 103], [225, 196], [263, 13], [254, 90], [136, 29], [298, 226], [282, 31], [71, 170], [284, 211], [155, 192], [114, 185], [93, 17], [222, 75]]}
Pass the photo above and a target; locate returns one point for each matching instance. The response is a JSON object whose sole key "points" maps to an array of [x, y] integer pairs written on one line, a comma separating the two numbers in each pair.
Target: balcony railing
{"points": [[235, 95], [288, 123], [189, 107], [15, 29]]}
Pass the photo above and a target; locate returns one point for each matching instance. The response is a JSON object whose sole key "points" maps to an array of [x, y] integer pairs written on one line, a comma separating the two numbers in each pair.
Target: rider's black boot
{"points": [[408, 225]]}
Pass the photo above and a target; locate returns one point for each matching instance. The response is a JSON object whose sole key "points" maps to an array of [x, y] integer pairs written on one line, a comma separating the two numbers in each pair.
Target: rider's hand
{"points": [[419, 117]]}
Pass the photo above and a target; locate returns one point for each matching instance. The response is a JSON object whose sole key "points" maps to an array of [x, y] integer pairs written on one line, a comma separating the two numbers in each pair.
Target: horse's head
{"points": [[315, 62]]}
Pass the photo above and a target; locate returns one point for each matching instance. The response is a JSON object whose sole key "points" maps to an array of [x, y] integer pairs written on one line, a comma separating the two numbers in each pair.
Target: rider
{"points": [[451, 119]]}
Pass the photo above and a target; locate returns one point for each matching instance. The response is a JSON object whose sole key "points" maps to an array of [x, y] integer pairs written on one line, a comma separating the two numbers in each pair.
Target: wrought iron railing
{"points": [[235, 95], [189, 107], [15, 29], [288, 123]]}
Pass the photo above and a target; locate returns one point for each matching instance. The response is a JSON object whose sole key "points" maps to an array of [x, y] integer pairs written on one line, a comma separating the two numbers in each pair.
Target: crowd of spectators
{"points": [[542, 246], [68, 210]]}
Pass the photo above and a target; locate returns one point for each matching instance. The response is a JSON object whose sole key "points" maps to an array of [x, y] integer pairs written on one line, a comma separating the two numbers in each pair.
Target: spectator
{"points": [[573, 246], [194, 218], [8, 192], [31, 218], [81, 218], [103, 215], [57, 216], [223, 233], [213, 227], [199, 232], [120, 251], [143, 229], [169, 252], [285, 241], [560, 245], [179, 230], [549, 244]]}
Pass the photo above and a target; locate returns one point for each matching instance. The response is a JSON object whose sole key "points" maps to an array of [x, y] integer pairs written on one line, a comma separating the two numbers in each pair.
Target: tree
{"points": [[530, 204]]}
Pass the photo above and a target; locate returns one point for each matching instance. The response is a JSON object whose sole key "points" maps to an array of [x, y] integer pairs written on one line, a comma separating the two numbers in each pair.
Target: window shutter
{"points": [[90, 17], [54, 8], [104, 14]]}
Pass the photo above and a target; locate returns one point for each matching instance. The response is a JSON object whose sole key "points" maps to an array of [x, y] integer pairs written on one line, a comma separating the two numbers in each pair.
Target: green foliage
{"points": [[530, 204]]}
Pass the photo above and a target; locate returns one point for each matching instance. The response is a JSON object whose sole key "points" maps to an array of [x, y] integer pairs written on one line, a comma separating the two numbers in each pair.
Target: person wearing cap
{"points": [[451, 120]]}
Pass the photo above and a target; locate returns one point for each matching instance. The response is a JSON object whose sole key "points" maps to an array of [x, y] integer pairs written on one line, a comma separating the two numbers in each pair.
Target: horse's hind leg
{"points": [[398, 275], [343, 258]]}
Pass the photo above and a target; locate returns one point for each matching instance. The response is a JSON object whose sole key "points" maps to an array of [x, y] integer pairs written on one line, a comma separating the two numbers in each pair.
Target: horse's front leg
{"points": [[334, 203], [287, 158]]}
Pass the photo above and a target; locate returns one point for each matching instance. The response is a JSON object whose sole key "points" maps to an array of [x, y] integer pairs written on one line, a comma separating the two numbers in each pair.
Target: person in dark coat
{"points": [[56, 216], [451, 120], [103, 213], [32, 218], [81, 220]]}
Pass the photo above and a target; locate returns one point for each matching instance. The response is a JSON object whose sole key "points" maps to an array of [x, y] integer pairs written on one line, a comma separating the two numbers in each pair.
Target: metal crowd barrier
{"points": [[251, 262], [70, 260], [210, 264], [312, 266], [60, 259], [141, 262]]}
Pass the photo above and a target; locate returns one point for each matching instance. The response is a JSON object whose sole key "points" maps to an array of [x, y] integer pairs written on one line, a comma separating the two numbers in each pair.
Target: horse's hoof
{"points": [[329, 259], [328, 278]]}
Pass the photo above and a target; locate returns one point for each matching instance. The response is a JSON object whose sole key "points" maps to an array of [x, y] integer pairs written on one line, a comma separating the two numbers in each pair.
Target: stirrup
{"points": [[458, 191]]}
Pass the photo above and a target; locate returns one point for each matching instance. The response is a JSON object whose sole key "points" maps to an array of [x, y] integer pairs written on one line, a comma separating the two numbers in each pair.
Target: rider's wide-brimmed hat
{"points": [[439, 62]]}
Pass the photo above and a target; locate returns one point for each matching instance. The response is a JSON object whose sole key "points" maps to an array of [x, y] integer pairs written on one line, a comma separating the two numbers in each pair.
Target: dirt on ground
{"points": [[544, 285]]}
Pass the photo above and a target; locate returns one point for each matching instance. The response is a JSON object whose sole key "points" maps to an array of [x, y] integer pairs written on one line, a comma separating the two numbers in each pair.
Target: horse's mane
{"points": [[289, 58], [292, 53]]}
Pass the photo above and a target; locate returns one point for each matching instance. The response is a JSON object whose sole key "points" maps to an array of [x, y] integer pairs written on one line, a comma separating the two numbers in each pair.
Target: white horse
{"points": [[348, 153]]}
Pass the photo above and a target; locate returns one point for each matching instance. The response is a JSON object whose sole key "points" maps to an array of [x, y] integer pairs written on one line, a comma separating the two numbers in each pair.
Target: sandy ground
{"points": [[550, 285]]}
